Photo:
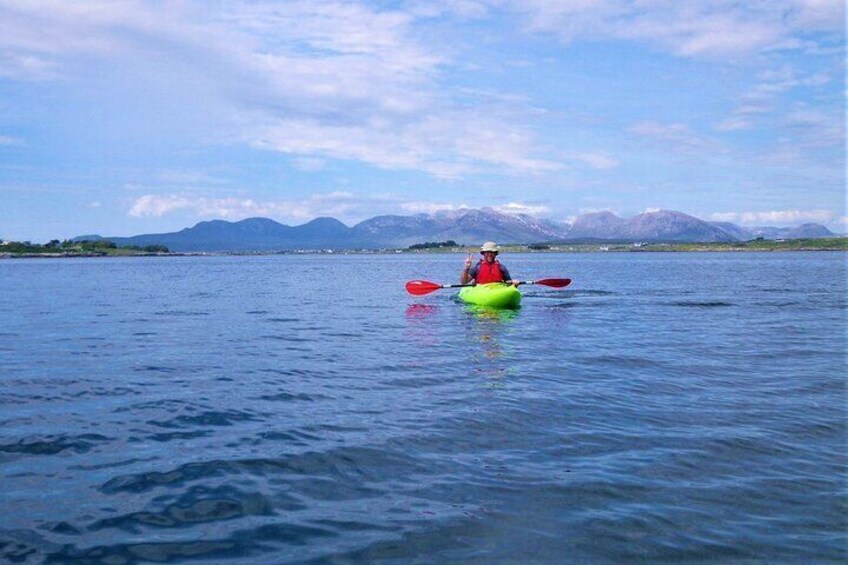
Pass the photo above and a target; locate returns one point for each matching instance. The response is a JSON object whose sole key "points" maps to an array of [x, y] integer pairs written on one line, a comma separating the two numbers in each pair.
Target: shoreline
{"points": [[830, 244]]}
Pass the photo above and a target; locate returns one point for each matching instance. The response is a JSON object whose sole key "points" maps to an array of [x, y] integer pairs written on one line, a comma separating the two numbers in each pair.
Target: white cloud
{"points": [[734, 123], [815, 127], [7, 140], [430, 207], [309, 164], [443, 145], [20, 66], [368, 91], [316, 80], [325, 81], [763, 97], [188, 177], [156, 206], [677, 136], [777, 217], [773, 81], [592, 210], [514, 208], [343, 205], [819, 14], [597, 160], [338, 204], [698, 28]]}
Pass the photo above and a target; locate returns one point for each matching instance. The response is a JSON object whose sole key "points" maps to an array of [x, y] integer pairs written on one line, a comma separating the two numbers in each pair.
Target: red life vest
{"points": [[488, 272]]}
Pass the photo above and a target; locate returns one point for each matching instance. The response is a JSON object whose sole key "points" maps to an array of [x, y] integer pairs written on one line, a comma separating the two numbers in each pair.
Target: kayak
{"points": [[492, 295]]}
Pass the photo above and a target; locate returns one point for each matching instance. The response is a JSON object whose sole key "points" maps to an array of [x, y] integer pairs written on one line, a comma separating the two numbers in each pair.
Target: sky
{"points": [[130, 117]]}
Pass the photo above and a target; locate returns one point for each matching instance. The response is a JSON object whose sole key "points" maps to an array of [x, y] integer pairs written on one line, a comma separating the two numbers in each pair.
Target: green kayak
{"points": [[492, 295]]}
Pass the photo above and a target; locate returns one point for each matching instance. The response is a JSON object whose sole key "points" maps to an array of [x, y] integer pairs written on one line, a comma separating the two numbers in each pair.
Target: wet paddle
{"points": [[419, 288]]}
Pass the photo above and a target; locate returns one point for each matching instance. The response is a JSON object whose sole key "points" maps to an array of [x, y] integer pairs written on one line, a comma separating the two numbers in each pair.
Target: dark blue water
{"points": [[665, 407]]}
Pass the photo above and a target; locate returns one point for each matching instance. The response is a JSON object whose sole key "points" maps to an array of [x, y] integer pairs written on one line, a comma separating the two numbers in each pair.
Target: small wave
{"points": [[51, 445], [103, 391], [111, 465], [170, 405], [155, 369], [210, 418], [703, 304], [197, 505], [419, 382], [350, 335], [321, 472], [287, 397], [293, 372], [178, 436], [62, 528], [293, 437], [289, 338], [188, 313], [589, 292], [564, 305], [156, 552], [625, 361]]}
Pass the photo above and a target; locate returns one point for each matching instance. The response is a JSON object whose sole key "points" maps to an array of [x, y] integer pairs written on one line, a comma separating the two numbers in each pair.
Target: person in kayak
{"points": [[488, 269]]}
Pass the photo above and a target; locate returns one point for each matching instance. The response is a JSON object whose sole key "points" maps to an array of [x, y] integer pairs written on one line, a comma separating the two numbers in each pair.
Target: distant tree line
{"points": [[101, 247], [434, 244]]}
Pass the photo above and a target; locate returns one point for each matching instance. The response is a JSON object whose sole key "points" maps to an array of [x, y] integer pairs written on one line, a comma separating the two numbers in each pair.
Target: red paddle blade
{"points": [[555, 283], [419, 288]]}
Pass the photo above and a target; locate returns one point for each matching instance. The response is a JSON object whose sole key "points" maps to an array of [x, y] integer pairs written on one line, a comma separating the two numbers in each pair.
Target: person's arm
{"points": [[507, 277], [465, 276]]}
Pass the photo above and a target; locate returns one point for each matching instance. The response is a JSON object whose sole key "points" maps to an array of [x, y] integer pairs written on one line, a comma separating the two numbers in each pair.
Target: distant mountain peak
{"points": [[325, 220], [466, 225]]}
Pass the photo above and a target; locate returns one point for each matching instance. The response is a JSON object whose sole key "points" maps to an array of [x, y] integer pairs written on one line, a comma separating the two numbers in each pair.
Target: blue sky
{"points": [[120, 118]]}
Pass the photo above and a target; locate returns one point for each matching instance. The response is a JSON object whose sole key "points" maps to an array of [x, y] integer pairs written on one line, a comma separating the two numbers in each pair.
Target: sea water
{"points": [[287, 409]]}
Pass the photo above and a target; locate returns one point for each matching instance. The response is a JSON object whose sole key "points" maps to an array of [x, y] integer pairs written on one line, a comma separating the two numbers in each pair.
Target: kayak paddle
{"points": [[554, 283], [419, 288]]}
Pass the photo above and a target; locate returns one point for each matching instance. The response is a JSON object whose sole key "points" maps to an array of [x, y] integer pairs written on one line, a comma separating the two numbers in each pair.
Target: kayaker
{"points": [[488, 269]]}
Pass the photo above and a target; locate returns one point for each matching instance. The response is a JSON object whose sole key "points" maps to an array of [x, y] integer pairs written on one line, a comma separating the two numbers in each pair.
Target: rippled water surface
{"points": [[664, 407]]}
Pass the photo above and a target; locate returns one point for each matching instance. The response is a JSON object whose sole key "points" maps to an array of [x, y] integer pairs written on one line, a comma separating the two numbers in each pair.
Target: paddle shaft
{"points": [[420, 287]]}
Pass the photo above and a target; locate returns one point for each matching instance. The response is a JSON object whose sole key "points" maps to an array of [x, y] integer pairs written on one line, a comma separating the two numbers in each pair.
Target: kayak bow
{"points": [[492, 295]]}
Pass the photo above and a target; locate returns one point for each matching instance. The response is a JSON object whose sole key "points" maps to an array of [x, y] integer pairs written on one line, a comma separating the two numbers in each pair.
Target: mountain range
{"points": [[466, 226]]}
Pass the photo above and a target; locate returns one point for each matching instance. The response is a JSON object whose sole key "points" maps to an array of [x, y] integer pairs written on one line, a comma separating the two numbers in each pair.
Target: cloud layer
{"points": [[539, 104], [777, 217]]}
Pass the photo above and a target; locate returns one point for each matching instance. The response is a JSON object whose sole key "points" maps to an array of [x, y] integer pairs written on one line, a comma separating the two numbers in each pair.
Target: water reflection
{"points": [[497, 314], [488, 329], [420, 311], [421, 328]]}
